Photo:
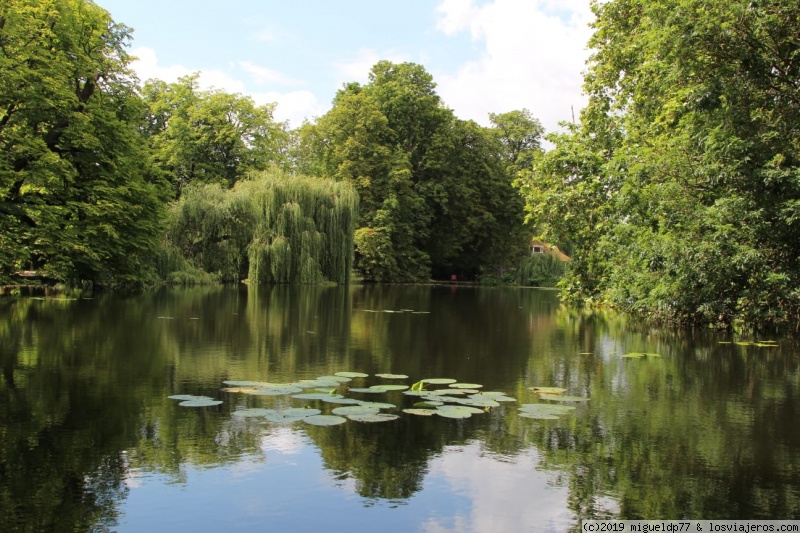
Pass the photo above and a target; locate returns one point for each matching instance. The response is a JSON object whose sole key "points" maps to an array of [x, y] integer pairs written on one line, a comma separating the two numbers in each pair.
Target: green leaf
{"points": [[324, 420]]}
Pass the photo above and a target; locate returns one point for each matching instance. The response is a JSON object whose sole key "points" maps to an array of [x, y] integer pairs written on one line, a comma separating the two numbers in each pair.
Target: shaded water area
{"points": [[90, 441]]}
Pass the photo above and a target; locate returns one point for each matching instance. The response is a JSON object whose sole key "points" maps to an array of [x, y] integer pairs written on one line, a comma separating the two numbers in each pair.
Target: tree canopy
{"points": [[681, 185], [436, 192], [76, 195]]}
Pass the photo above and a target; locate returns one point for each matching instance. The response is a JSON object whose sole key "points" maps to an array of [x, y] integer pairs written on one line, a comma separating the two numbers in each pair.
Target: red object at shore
{"points": [[453, 277]]}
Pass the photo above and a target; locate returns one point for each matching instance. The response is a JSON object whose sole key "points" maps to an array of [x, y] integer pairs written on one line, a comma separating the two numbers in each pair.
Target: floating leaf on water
{"points": [[464, 391], [234, 390], [385, 388], [370, 311], [338, 399], [442, 398], [367, 390], [253, 412], [376, 417], [273, 391], [324, 420], [280, 417], [299, 411], [416, 392], [446, 392], [351, 374], [466, 385], [497, 397], [724, 342], [743, 343], [354, 410], [314, 396], [765, 345], [233, 383], [334, 379], [584, 353], [200, 402], [639, 355], [429, 404], [421, 313], [478, 402], [548, 390], [563, 398], [420, 412], [185, 397], [438, 381], [392, 376], [377, 405], [457, 411], [327, 390]]}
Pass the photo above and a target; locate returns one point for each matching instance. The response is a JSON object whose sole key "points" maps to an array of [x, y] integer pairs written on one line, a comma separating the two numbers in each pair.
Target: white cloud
{"points": [[533, 57], [525, 493], [293, 106], [264, 75], [147, 67]]}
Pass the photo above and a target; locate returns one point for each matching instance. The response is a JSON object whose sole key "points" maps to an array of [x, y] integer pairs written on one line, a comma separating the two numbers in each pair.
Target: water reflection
{"points": [[90, 441]]}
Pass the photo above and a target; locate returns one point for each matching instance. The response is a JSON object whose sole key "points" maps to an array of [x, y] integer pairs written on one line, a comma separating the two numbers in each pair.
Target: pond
{"points": [[705, 426]]}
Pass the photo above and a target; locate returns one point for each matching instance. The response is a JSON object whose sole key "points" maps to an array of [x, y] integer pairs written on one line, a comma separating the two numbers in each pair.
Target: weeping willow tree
{"points": [[271, 227], [305, 228]]}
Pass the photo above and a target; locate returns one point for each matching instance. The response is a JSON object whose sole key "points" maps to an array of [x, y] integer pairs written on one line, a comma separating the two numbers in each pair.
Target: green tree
{"points": [[76, 198], [209, 136], [691, 133], [436, 196]]}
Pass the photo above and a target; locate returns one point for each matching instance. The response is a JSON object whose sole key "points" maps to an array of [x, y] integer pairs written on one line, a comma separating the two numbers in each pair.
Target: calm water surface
{"points": [[90, 441]]}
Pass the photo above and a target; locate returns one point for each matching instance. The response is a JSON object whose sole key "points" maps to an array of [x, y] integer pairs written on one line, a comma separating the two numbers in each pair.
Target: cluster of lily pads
{"points": [[443, 397], [550, 411]]}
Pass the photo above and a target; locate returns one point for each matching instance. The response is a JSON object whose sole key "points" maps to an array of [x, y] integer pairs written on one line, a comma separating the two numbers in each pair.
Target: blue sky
{"points": [[485, 55]]}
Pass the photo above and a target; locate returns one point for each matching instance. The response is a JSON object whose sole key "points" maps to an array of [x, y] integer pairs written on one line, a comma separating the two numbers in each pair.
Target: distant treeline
{"points": [[677, 193]]}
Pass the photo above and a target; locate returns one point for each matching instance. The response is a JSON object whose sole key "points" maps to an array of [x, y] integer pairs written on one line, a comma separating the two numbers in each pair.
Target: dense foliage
{"points": [[269, 228], [436, 192], [76, 197], [681, 186]]}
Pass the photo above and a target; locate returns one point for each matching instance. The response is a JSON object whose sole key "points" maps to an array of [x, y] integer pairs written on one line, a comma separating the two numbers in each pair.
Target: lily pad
{"points": [[420, 412], [377, 405], [315, 396], [457, 411], [367, 390], [340, 400], [438, 381], [386, 388], [278, 390], [200, 402], [233, 383], [496, 397], [479, 402], [563, 398], [351, 374], [639, 355], [355, 410], [376, 417], [185, 397], [544, 411], [392, 376], [284, 418], [548, 390], [324, 420], [327, 390], [466, 385], [428, 404]]}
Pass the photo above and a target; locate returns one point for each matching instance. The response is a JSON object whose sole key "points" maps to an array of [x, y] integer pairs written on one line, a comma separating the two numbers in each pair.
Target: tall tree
{"points": [[209, 136], [691, 158], [436, 197], [75, 196]]}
